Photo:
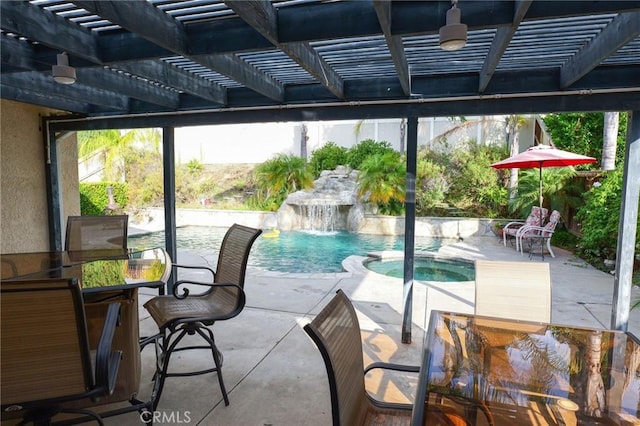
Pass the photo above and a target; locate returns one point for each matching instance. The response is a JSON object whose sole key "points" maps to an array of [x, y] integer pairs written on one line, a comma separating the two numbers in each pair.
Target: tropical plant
{"points": [[357, 154], [327, 158], [382, 181], [559, 190], [279, 176]]}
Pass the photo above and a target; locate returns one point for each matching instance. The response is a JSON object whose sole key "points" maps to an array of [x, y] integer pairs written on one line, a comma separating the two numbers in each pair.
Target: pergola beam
{"points": [[263, 17], [149, 22], [622, 29], [394, 43], [501, 42]]}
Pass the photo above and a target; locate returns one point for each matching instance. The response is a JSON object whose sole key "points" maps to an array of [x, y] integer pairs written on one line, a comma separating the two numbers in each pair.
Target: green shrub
{"points": [[194, 167], [357, 154], [327, 157], [475, 186], [599, 219], [431, 186], [94, 197]]}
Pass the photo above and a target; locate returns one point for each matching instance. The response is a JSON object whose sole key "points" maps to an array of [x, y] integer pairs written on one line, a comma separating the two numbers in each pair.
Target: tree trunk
{"points": [[514, 145], [609, 140], [303, 141]]}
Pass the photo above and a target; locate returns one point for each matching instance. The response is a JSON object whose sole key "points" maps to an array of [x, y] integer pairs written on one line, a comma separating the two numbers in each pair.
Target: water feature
{"points": [[331, 205], [290, 251]]}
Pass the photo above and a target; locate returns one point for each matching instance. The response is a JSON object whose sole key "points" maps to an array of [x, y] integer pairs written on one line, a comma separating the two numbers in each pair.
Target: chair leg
{"points": [[167, 344], [217, 360], [549, 247]]}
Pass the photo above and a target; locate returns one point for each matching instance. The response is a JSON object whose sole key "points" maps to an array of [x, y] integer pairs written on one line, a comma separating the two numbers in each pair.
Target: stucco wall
{"points": [[23, 198]]}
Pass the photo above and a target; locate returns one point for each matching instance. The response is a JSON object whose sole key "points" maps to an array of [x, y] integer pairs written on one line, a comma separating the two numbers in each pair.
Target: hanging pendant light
{"points": [[453, 36], [62, 72]]}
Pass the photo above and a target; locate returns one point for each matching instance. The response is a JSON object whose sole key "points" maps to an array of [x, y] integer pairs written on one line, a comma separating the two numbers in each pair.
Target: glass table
{"points": [[508, 372], [97, 270]]}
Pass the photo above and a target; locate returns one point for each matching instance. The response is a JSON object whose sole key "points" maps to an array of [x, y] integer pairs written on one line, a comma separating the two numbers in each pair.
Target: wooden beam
{"points": [[16, 53], [39, 98], [244, 73], [501, 42], [151, 23], [263, 17], [142, 18], [173, 76], [129, 86], [394, 43], [42, 83], [36, 23], [622, 29]]}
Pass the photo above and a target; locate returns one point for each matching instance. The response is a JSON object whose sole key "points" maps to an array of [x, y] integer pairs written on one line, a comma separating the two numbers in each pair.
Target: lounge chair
{"points": [[336, 332], [535, 218], [542, 234], [45, 357], [183, 314]]}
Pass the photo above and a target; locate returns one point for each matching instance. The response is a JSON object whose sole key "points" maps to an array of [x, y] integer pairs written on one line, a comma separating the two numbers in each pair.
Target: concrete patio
{"points": [[275, 375]]}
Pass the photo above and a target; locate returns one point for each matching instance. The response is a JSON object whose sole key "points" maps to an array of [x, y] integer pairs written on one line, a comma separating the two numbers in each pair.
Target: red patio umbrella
{"points": [[540, 156]]}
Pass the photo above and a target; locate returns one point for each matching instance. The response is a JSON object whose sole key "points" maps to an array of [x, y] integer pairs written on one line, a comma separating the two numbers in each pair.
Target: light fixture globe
{"points": [[62, 72], [453, 36]]}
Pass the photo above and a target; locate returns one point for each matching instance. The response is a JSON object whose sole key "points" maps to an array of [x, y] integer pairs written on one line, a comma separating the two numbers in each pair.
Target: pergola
{"points": [[166, 63]]}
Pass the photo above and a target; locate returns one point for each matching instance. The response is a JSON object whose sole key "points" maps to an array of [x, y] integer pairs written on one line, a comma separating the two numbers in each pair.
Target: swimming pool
{"points": [[426, 269], [291, 251]]}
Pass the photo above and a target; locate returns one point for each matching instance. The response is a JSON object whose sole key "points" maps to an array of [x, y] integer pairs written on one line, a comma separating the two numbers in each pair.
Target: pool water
{"points": [[426, 269], [290, 251]]}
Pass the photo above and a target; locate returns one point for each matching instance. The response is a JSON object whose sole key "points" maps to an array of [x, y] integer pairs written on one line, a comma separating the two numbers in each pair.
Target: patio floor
{"points": [[275, 375]]}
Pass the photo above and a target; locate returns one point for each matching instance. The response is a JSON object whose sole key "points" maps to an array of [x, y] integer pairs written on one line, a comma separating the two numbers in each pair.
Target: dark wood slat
{"points": [[173, 76], [622, 29], [105, 79], [394, 43], [35, 23], [262, 16], [242, 72], [500, 43]]}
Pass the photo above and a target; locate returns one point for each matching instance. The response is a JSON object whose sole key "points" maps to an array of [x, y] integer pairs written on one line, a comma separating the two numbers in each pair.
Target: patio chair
{"points": [[183, 314], [45, 357], [542, 234], [336, 333], [89, 237], [515, 290], [535, 218]]}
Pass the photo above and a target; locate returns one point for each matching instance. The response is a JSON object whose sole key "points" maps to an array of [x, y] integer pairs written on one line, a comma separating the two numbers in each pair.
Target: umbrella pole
{"points": [[540, 191]]}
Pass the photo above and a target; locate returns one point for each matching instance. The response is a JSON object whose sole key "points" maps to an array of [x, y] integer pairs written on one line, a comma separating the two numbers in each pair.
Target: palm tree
{"points": [[382, 180], [111, 144]]}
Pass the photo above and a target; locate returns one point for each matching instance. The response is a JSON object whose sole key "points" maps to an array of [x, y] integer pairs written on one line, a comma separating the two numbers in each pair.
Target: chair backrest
{"points": [[44, 349], [336, 332], [234, 254], [97, 234], [550, 227], [537, 216], [514, 290]]}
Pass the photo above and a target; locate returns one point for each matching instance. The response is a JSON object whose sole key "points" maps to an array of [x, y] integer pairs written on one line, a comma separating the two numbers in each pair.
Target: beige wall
{"points": [[23, 197]]}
